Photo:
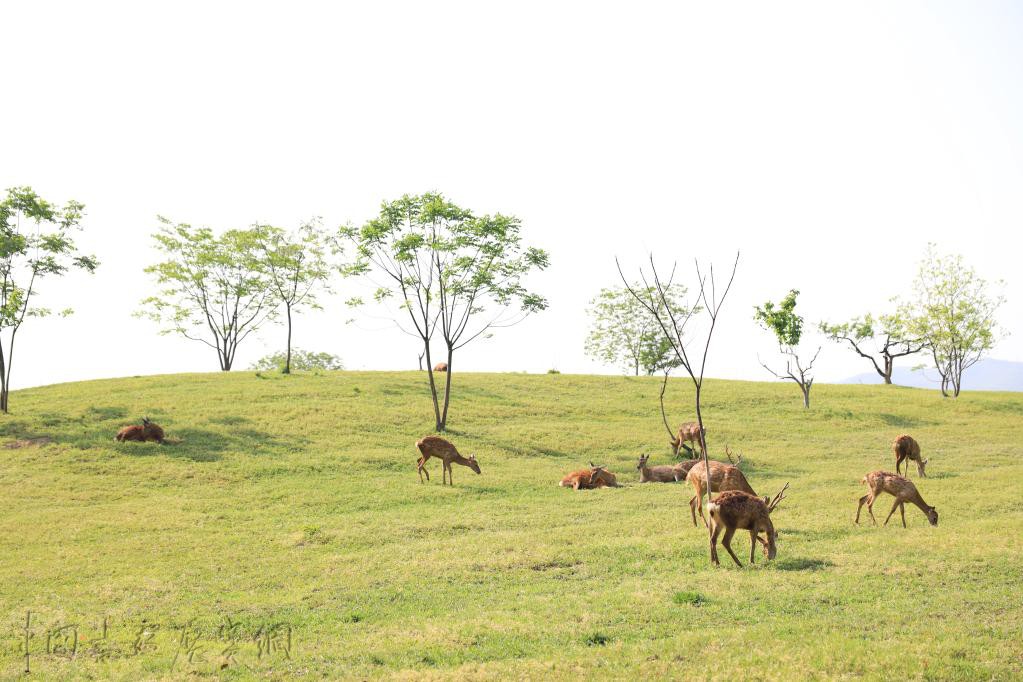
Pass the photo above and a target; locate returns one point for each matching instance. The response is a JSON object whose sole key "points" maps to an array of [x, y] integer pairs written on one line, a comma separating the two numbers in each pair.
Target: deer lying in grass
{"points": [[903, 490], [690, 431], [588, 479], [435, 446], [148, 431], [905, 449], [723, 477], [733, 510], [665, 473], [440, 367]]}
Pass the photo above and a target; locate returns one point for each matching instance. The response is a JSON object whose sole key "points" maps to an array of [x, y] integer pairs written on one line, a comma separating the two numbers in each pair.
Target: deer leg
{"points": [[860, 507], [451, 470], [902, 509], [898, 463], [752, 545], [713, 543], [870, 508], [894, 507], [727, 542], [421, 465], [692, 508]]}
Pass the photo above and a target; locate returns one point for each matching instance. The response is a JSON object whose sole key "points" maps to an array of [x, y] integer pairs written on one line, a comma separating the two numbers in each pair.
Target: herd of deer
{"points": [[737, 506]]}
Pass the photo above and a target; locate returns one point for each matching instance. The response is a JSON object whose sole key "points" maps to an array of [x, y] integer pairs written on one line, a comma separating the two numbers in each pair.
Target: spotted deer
{"points": [[664, 473], [901, 488], [146, 432], [736, 510], [588, 479], [905, 449], [435, 446], [690, 431], [722, 477]]}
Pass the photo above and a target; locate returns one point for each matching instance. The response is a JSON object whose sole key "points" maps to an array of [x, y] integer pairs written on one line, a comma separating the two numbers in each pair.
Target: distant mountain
{"points": [[986, 375]]}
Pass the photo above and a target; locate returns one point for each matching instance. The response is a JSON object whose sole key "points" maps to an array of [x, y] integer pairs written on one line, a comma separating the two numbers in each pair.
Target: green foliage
{"points": [[625, 332], [890, 335], [295, 263], [448, 269], [296, 501], [213, 289], [689, 597], [301, 360], [953, 312], [35, 243], [782, 319]]}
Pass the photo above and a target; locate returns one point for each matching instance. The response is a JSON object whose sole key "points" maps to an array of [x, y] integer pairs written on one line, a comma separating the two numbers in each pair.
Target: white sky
{"points": [[828, 141]]}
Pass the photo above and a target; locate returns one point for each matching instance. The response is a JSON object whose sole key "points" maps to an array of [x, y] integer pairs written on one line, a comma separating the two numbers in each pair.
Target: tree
{"points": [[214, 289], [451, 271], [787, 327], [624, 332], [300, 360], [889, 335], [35, 243], [295, 264], [654, 297], [954, 315]]}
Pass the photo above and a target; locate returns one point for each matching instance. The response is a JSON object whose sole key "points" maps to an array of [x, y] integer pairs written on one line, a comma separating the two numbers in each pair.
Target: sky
{"points": [[825, 142]]}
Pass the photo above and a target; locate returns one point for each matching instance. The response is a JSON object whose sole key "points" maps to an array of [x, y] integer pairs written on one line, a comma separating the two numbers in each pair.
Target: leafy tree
{"points": [[954, 315], [787, 327], [451, 271], [295, 264], [213, 289], [299, 360], [35, 243], [887, 336], [624, 332]]}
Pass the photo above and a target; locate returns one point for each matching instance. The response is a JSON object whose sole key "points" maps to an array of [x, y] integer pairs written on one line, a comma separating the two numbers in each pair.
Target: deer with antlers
{"points": [[734, 510], [906, 449], [664, 473], [901, 488], [723, 477], [435, 446], [588, 479]]}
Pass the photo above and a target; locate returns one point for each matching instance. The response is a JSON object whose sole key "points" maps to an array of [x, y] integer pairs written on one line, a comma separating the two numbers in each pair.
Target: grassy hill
{"points": [[293, 503]]}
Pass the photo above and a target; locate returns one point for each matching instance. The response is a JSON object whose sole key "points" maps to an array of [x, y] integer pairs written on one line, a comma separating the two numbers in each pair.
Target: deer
{"points": [[440, 367], [146, 432], [734, 510], [723, 477], [588, 479], [665, 473], [435, 446], [901, 488], [690, 431], [906, 448]]}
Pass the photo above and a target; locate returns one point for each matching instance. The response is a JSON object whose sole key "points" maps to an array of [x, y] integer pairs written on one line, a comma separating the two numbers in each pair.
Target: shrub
{"points": [[301, 360]]}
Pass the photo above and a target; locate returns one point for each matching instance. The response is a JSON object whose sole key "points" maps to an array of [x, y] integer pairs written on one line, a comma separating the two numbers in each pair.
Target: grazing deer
{"points": [[440, 367], [722, 477], [903, 490], [905, 448], [665, 473], [435, 446], [690, 431], [148, 431], [733, 510], [588, 479]]}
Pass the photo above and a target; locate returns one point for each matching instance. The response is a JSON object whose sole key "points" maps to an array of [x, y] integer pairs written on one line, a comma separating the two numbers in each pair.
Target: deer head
{"points": [[733, 462], [473, 464], [932, 516], [642, 461], [921, 465], [145, 421]]}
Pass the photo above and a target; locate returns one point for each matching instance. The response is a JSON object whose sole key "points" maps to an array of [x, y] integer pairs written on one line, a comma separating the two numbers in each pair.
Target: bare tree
{"points": [[654, 297], [787, 327]]}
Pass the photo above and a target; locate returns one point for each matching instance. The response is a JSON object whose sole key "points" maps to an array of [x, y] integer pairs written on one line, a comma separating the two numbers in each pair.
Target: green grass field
{"points": [[292, 504]]}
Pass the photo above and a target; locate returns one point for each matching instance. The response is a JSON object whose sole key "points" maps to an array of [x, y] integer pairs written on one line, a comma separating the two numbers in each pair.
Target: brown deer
{"points": [[148, 431], [690, 431], [440, 367], [906, 448], [733, 510], [435, 446], [722, 477], [665, 473], [588, 479], [903, 490]]}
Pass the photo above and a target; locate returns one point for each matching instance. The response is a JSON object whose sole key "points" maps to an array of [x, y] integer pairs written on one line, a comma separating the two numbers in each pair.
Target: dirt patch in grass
{"points": [[28, 442]]}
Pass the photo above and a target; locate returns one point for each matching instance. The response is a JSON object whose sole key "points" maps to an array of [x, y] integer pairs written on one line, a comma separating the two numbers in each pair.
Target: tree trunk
{"points": [[433, 387], [706, 464], [806, 396], [3, 380], [889, 365], [287, 359], [637, 367], [447, 393]]}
